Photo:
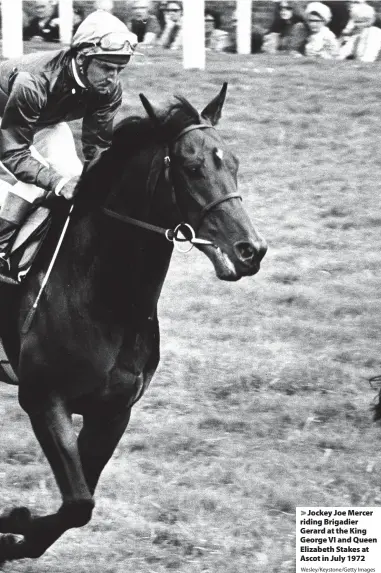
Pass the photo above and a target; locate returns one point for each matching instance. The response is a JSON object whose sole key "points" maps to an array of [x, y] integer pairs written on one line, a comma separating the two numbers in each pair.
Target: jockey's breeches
{"points": [[53, 146]]}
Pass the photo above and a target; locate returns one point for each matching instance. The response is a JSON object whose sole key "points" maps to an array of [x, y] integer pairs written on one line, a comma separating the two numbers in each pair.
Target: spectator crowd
{"points": [[330, 30]]}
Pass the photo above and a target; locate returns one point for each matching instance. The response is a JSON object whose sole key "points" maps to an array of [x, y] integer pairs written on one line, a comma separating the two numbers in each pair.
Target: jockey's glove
{"points": [[69, 189]]}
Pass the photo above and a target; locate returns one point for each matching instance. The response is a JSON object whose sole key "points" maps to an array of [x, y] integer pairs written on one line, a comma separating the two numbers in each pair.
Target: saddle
{"points": [[27, 244], [24, 251]]}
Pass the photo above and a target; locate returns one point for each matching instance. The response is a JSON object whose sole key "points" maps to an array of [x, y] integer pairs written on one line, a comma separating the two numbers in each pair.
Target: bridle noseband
{"points": [[183, 232]]}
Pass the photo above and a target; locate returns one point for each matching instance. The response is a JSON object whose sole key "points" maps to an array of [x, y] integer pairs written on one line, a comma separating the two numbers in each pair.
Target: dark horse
{"points": [[93, 345]]}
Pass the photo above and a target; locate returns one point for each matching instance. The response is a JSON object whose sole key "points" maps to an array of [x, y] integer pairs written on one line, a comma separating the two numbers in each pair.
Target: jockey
{"points": [[39, 93]]}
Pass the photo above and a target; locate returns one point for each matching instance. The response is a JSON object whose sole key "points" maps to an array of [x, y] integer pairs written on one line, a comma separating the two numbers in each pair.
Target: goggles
{"points": [[113, 43], [116, 42]]}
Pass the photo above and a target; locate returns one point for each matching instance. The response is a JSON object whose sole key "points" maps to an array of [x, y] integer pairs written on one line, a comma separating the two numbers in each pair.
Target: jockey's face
{"points": [[103, 75]]}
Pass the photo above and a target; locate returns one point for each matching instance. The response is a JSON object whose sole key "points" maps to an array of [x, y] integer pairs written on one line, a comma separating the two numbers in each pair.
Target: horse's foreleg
{"points": [[100, 434], [54, 430]]}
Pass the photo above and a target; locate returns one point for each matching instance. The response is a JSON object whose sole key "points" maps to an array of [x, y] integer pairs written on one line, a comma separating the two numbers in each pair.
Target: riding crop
{"points": [[31, 313]]}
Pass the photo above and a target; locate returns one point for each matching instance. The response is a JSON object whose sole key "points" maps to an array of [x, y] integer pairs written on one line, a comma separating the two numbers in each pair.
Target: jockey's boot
{"points": [[12, 214]]}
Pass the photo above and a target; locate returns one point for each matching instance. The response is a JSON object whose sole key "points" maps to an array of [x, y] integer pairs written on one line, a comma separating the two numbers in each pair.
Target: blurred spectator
{"points": [[341, 21], [142, 23], [43, 24], [350, 26], [256, 37], [161, 14], [172, 36], [215, 39], [321, 42], [364, 41], [282, 34]]}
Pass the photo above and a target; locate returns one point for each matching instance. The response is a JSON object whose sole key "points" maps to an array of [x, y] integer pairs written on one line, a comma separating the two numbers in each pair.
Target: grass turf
{"points": [[261, 401]]}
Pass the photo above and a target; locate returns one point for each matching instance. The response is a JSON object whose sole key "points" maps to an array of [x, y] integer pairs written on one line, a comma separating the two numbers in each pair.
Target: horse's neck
{"points": [[113, 261]]}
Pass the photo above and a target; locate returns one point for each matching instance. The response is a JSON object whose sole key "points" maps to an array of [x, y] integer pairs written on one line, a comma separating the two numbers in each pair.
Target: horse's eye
{"points": [[194, 170]]}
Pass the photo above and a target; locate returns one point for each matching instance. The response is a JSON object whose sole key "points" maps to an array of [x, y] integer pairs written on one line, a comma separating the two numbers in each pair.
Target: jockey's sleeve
{"points": [[18, 126], [97, 126]]}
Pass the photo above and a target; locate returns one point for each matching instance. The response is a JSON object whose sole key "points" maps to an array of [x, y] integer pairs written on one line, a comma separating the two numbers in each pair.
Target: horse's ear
{"points": [[212, 111], [149, 108]]}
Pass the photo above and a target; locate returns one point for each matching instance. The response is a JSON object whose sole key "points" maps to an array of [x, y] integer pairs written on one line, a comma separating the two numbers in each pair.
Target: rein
{"points": [[183, 232]]}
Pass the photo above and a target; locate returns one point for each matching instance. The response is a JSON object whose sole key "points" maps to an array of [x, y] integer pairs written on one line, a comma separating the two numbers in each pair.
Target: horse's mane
{"points": [[135, 132], [134, 136]]}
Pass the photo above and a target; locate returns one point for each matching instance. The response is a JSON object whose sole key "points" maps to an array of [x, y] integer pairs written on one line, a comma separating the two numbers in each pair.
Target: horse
{"points": [[92, 347]]}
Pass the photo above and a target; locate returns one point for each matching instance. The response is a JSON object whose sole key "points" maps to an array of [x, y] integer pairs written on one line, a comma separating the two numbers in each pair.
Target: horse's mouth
{"points": [[225, 268]]}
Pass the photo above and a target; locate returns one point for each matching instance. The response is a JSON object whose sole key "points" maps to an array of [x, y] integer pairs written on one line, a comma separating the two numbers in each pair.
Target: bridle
{"points": [[183, 232], [177, 236]]}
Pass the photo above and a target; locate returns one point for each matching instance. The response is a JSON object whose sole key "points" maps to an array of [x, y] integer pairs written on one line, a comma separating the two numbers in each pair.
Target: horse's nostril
{"points": [[245, 250]]}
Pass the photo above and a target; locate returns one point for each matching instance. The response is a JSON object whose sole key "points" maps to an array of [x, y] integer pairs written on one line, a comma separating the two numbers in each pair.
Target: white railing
{"points": [[193, 29], [11, 28]]}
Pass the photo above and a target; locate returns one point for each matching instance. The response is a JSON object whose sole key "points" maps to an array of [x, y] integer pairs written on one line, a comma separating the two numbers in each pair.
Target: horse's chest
{"points": [[135, 363]]}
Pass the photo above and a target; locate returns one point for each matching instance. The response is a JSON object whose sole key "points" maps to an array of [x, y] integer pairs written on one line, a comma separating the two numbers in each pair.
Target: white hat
{"points": [[321, 9], [363, 13], [101, 33]]}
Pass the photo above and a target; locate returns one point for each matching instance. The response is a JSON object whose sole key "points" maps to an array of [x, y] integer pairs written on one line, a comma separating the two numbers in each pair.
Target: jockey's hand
{"points": [[69, 190]]}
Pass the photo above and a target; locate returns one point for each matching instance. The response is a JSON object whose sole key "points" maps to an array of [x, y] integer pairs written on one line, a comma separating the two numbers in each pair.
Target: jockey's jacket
{"points": [[39, 90]]}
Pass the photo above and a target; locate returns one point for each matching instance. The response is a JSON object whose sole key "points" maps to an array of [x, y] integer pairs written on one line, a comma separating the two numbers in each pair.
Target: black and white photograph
{"points": [[190, 286]]}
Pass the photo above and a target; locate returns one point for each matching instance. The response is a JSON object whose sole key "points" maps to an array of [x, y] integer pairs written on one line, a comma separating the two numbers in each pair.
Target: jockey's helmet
{"points": [[102, 34]]}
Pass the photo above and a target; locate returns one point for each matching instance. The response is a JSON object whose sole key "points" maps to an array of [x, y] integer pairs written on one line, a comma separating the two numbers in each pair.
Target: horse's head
{"points": [[203, 172]]}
